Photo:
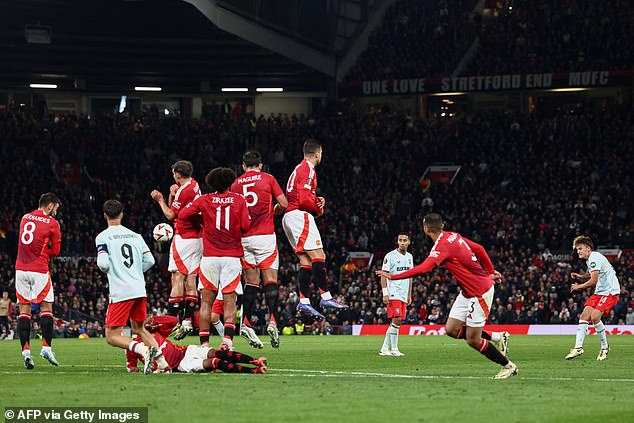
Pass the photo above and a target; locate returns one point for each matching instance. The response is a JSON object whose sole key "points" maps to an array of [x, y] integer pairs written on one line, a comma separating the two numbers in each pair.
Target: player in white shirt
{"points": [[397, 294], [606, 294], [124, 257]]}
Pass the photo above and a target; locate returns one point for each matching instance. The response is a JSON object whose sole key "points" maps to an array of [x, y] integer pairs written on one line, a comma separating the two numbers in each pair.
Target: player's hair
{"points": [[220, 179], [583, 240], [112, 208], [184, 168], [433, 221], [252, 158], [49, 198], [311, 146], [404, 234]]}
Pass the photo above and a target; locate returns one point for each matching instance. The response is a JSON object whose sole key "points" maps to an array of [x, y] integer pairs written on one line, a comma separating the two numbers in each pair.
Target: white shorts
{"points": [[220, 274], [193, 360], [33, 287], [185, 254], [474, 311], [301, 231], [260, 251]]}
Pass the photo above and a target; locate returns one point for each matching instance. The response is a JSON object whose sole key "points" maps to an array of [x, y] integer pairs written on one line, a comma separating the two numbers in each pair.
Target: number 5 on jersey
{"points": [[250, 196]]}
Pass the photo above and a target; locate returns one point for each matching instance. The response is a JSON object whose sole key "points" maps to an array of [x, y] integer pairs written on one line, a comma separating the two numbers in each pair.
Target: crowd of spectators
{"points": [[527, 186], [429, 38], [556, 36], [417, 39]]}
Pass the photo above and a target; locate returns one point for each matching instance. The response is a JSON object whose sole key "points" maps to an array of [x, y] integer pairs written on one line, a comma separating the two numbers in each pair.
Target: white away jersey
{"points": [[124, 256], [395, 262], [608, 284]]}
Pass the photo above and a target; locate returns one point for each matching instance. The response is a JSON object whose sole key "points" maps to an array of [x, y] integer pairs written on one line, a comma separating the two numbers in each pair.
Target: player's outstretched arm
{"points": [[482, 256], [594, 278], [582, 277], [422, 268], [165, 208], [190, 211]]}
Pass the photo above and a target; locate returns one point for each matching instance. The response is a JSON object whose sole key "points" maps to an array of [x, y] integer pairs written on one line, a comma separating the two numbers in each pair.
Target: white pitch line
{"points": [[326, 373], [353, 374]]}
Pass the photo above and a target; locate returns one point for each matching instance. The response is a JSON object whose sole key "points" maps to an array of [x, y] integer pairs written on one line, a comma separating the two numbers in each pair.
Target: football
{"points": [[163, 232]]}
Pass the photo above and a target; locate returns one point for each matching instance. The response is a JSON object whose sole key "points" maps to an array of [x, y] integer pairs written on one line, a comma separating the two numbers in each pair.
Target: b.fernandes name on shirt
{"points": [[37, 218]]}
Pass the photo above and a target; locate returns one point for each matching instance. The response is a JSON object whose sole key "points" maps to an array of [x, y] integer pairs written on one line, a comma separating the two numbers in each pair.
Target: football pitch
{"points": [[342, 379]]}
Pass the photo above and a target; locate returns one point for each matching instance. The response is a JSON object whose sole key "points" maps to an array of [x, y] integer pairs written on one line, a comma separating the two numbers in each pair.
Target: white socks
{"points": [[138, 348], [386, 341], [393, 330], [601, 334], [220, 328], [582, 330]]}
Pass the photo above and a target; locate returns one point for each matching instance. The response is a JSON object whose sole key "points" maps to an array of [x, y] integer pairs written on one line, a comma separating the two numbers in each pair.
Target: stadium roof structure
{"points": [[115, 45]]}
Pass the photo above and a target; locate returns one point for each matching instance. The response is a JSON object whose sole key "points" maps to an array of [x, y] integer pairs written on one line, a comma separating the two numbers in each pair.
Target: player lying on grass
{"points": [[193, 358]]}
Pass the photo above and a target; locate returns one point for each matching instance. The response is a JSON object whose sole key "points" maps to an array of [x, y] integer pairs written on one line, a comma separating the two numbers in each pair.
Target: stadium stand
{"points": [[521, 193]]}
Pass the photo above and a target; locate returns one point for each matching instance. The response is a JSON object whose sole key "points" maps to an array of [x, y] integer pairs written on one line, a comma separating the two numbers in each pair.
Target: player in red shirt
{"points": [[186, 249], [260, 243], [225, 221], [470, 264], [40, 239], [302, 233], [192, 358]]}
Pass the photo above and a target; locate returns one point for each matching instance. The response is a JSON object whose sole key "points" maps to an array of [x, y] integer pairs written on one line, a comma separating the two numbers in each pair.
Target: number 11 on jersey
{"points": [[219, 216]]}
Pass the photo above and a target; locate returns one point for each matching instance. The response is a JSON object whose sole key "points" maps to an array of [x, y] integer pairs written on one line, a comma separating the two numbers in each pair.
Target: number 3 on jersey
{"points": [[27, 233], [250, 196], [227, 214]]}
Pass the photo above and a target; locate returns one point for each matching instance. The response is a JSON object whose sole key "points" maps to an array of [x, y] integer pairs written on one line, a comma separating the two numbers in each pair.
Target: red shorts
{"points": [[119, 313], [603, 303], [396, 308], [218, 307]]}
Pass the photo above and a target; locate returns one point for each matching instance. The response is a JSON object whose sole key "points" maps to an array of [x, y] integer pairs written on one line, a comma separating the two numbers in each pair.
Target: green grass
{"points": [[342, 379]]}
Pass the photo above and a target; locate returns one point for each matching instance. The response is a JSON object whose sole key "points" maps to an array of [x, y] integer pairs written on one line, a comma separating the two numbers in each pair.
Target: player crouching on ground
{"points": [[192, 358]]}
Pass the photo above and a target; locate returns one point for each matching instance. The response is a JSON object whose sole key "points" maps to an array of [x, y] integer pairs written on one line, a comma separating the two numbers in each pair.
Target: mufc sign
{"points": [[479, 83]]}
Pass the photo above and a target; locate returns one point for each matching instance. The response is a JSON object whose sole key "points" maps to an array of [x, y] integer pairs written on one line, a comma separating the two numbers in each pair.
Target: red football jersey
{"points": [[259, 189], [225, 221], [186, 193], [173, 353], [300, 189], [37, 231], [468, 261]]}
